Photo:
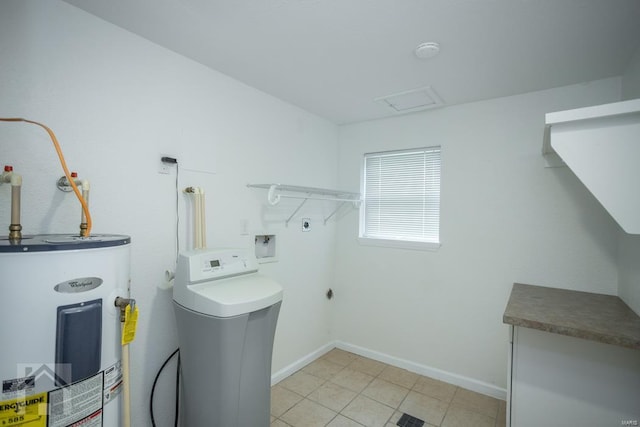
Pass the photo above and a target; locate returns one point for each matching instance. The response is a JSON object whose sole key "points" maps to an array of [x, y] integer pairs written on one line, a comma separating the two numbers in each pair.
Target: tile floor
{"points": [[342, 389]]}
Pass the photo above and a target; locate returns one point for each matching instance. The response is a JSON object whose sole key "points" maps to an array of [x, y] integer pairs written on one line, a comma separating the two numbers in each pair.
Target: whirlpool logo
{"points": [[82, 284]]}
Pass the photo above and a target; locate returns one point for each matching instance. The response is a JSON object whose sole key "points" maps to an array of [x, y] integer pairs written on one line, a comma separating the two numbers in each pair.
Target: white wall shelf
{"points": [[601, 145], [278, 191], [583, 117]]}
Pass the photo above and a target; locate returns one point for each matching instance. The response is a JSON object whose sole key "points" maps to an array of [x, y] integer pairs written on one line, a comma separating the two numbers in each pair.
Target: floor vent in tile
{"points": [[407, 420]]}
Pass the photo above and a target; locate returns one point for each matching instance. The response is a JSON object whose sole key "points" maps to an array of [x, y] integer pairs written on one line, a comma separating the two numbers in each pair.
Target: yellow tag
{"points": [[130, 323]]}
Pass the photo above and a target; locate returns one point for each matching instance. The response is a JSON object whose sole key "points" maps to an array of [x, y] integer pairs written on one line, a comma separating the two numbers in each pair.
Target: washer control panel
{"points": [[212, 264]]}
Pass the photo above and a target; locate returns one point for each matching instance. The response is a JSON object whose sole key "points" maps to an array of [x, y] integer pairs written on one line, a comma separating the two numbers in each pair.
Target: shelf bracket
{"points": [[335, 211], [286, 223]]}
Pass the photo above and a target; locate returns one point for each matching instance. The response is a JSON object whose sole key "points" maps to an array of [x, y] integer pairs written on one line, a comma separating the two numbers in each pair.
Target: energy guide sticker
{"points": [[28, 411]]}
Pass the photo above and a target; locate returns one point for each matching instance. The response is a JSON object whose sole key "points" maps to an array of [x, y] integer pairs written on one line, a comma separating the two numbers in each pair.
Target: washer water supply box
{"points": [[226, 314], [61, 355]]}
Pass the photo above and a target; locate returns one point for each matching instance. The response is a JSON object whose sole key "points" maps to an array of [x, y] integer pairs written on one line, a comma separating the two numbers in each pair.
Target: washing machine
{"points": [[226, 313]]}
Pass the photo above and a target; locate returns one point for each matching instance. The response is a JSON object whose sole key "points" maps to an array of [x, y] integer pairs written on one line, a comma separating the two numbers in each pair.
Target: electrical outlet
{"points": [[165, 165], [306, 224]]}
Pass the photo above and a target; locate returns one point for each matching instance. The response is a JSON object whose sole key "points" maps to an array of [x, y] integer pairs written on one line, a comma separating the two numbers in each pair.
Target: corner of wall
{"points": [[631, 78], [629, 270], [629, 245]]}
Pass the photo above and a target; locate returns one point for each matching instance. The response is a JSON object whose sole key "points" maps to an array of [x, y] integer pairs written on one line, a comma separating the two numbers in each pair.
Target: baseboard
{"points": [[428, 371], [301, 363]]}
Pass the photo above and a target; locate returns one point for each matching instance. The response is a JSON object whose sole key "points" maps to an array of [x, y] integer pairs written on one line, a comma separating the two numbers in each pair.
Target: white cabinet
{"points": [[558, 380], [574, 359]]}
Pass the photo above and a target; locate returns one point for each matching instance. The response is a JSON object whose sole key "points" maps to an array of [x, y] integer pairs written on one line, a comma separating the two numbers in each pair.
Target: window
{"points": [[401, 191]]}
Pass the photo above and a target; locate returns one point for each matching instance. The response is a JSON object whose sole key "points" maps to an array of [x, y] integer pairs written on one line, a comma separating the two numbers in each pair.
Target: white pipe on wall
{"points": [[199, 218]]}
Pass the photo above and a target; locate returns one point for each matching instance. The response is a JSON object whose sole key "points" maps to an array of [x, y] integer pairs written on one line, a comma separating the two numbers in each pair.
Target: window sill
{"points": [[400, 244]]}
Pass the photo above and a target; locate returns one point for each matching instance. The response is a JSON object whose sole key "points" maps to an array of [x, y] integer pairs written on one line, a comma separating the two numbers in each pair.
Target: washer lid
{"points": [[232, 296]]}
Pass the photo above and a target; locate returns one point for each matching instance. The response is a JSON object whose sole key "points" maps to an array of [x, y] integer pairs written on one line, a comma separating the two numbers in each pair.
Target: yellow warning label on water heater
{"points": [[28, 411], [130, 322]]}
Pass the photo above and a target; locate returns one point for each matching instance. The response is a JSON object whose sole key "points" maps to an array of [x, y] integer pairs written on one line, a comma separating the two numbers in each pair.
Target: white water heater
{"points": [[60, 340]]}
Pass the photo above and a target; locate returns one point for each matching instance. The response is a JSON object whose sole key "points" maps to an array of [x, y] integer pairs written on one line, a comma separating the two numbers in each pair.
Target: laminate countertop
{"points": [[595, 317]]}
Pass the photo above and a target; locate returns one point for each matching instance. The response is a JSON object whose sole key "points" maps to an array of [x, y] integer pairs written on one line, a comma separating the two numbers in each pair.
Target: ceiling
{"points": [[334, 57]]}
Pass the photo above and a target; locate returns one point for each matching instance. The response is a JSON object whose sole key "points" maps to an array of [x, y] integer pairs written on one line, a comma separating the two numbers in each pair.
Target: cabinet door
{"points": [[561, 381]]}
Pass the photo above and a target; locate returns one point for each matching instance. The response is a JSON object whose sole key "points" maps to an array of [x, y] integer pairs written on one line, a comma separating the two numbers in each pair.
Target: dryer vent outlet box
{"points": [[265, 246]]}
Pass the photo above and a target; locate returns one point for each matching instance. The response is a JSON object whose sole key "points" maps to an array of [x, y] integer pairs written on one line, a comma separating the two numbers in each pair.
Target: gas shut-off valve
{"points": [[122, 304]]}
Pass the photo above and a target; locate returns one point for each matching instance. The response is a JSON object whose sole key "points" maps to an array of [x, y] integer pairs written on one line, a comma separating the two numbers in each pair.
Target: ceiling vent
{"points": [[411, 100]]}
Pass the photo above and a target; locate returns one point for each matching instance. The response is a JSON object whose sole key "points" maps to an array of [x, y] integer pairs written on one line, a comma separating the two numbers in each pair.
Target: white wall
{"points": [[116, 102], [629, 245], [631, 78], [504, 218], [629, 270]]}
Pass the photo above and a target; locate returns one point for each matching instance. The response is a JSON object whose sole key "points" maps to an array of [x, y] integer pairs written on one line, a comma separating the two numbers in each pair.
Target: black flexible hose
{"points": [[175, 421], [153, 388]]}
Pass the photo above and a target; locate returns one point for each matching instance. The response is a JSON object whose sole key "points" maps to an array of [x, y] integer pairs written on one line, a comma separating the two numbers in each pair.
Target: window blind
{"points": [[402, 195]]}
